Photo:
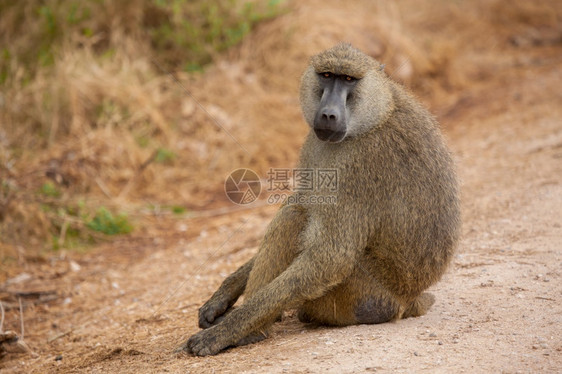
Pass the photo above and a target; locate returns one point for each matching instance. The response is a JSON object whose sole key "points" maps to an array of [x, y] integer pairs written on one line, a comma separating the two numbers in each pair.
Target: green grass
{"points": [[186, 34], [49, 189], [50, 97], [106, 222], [164, 155], [191, 33], [177, 209]]}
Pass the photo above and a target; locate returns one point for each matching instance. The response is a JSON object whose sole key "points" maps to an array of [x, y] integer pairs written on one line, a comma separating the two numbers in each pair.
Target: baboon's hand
{"points": [[207, 342], [211, 310]]}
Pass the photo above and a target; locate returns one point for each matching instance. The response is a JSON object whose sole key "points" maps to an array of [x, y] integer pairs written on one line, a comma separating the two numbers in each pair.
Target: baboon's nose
{"points": [[329, 124], [329, 117]]}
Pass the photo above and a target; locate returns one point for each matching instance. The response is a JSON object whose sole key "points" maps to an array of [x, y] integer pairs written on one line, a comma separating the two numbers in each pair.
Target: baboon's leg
{"points": [[279, 247], [419, 306], [320, 263], [277, 250], [225, 297], [359, 299]]}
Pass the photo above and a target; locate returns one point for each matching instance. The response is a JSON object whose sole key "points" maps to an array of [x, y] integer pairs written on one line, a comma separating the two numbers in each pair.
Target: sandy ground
{"points": [[123, 307]]}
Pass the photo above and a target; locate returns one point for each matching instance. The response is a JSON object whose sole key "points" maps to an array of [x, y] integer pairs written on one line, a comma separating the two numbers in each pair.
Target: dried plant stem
{"points": [[63, 229], [2, 320], [21, 318], [103, 187]]}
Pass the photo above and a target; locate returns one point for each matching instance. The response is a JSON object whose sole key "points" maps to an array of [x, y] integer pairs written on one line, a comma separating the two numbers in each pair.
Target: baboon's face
{"points": [[344, 94], [331, 121]]}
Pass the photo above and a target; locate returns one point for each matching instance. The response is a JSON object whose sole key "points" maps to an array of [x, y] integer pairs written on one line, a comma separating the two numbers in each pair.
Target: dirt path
{"points": [[127, 305]]}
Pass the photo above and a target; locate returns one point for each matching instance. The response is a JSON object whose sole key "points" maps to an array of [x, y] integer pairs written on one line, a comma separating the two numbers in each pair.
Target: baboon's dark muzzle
{"points": [[330, 122], [329, 135]]}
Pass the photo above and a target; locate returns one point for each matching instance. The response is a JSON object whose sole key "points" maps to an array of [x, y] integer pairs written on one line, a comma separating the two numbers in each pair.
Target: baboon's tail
{"points": [[419, 306]]}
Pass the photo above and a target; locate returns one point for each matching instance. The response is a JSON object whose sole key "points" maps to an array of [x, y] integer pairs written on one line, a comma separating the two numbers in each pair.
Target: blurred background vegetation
{"points": [[88, 101], [117, 114]]}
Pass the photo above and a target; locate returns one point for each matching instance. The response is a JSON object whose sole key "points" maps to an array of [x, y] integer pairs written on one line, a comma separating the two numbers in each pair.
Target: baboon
{"points": [[367, 257]]}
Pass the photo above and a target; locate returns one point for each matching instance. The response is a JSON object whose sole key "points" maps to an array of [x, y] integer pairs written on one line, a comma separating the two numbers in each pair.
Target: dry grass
{"points": [[93, 108], [92, 119]]}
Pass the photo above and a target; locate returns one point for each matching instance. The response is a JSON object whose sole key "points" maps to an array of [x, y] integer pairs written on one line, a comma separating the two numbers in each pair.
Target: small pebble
{"points": [[440, 342], [58, 358], [74, 266], [432, 335]]}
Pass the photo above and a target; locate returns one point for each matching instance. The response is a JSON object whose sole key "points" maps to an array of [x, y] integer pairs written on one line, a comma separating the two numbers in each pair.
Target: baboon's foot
{"points": [[207, 342], [215, 339], [212, 312], [419, 306]]}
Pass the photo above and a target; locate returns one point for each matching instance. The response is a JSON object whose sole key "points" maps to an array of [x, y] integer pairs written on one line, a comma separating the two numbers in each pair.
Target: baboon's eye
{"points": [[349, 79], [326, 75]]}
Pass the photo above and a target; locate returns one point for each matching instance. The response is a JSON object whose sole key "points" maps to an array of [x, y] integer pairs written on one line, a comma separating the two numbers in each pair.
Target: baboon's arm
{"points": [[325, 263], [226, 296]]}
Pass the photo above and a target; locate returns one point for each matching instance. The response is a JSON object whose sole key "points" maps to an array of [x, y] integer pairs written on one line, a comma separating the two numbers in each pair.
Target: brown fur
{"points": [[368, 258], [343, 59]]}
